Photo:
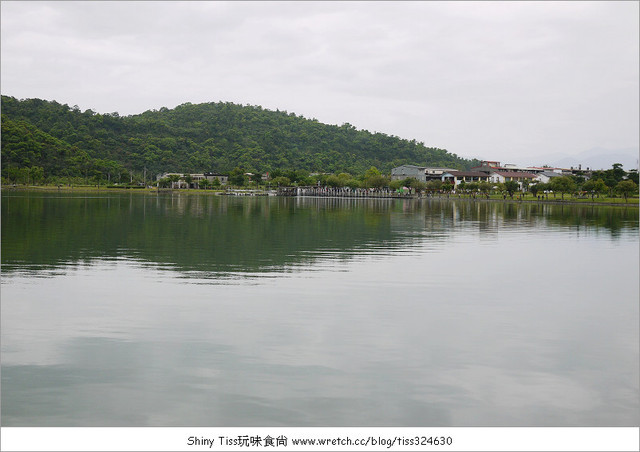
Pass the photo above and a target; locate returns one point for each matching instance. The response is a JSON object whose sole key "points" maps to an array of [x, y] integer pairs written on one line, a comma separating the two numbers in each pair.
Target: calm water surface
{"points": [[190, 310]]}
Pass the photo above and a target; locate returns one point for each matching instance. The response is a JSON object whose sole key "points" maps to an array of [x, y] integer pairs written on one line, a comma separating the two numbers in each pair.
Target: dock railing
{"points": [[344, 192]]}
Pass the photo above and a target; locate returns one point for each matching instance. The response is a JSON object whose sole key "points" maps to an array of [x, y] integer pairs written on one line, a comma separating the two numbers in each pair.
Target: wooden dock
{"points": [[344, 192], [237, 192]]}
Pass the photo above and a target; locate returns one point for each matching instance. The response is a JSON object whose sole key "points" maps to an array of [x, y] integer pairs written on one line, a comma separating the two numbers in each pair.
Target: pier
{"points": [[237, 192], [345, 192]]}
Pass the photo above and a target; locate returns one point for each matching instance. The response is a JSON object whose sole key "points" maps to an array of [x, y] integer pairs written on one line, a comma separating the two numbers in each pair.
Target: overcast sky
{"points": [[511, 81]]}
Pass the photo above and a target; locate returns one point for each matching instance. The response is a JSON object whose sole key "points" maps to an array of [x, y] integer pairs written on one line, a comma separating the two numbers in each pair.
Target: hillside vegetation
{"points": [[44, 140]]}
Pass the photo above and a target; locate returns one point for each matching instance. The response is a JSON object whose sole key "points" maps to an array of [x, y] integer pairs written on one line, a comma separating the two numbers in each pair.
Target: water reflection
{"points": [[209, 311], [220, 235]]}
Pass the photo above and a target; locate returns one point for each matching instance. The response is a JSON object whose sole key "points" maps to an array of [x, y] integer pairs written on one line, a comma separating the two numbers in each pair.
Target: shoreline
{"points": [[88, 189]]}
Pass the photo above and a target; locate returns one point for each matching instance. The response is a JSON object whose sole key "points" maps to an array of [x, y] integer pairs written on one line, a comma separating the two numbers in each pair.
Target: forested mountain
{"points": [[219, 137]]}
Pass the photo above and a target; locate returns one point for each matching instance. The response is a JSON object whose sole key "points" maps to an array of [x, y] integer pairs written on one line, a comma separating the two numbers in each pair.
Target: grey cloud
{"points": [[484, 79]]}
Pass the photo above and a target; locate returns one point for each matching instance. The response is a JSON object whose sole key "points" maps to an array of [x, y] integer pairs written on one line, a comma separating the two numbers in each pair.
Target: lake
{"points": [[181, 309]]}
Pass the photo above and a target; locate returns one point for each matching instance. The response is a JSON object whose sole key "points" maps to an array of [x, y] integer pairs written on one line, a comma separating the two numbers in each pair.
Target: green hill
{"points": [[219, 137]]}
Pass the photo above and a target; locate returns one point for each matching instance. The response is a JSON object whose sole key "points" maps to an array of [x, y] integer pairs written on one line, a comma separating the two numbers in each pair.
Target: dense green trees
{"points": [[45, 141], [281, 181], [511, 187], [237, 177], [220, 137], [595, 187], [575, 186], [612, 176], [626, 187], [562, 185], [434, 185]]}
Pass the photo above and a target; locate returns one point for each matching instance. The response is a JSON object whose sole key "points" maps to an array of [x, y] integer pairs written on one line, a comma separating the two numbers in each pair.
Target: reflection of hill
{"points": [[190, 233], [214, 235]]}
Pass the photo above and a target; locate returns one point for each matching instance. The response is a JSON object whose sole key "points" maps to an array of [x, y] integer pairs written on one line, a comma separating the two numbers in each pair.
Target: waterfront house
{"points": [[546, 176], [457, 177], [543, 174], [521, 178], [222, 178], [196, 178], [180, 183], [421, 173]]}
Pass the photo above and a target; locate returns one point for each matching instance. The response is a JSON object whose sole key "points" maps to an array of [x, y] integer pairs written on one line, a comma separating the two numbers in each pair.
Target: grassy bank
{"points": [[528, 198], [100, 189]]}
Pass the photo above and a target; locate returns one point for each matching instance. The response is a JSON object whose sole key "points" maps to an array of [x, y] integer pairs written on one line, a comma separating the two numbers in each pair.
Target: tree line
{"points": [[45, 141], [601, 183]]}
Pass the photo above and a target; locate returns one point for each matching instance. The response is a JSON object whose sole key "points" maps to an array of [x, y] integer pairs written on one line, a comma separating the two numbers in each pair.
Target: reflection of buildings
{"points": [[437, 217]]}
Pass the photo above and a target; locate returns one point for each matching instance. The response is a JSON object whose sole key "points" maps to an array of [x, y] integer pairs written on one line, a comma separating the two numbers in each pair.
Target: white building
{"points": [[457, 177], [546, 176], [507, 176], [196, 178], [421, 173]]}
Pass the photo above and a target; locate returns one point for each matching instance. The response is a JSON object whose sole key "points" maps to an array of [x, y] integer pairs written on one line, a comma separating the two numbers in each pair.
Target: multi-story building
{"points": [[194, 179], [457, 177], [421, 173]]}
